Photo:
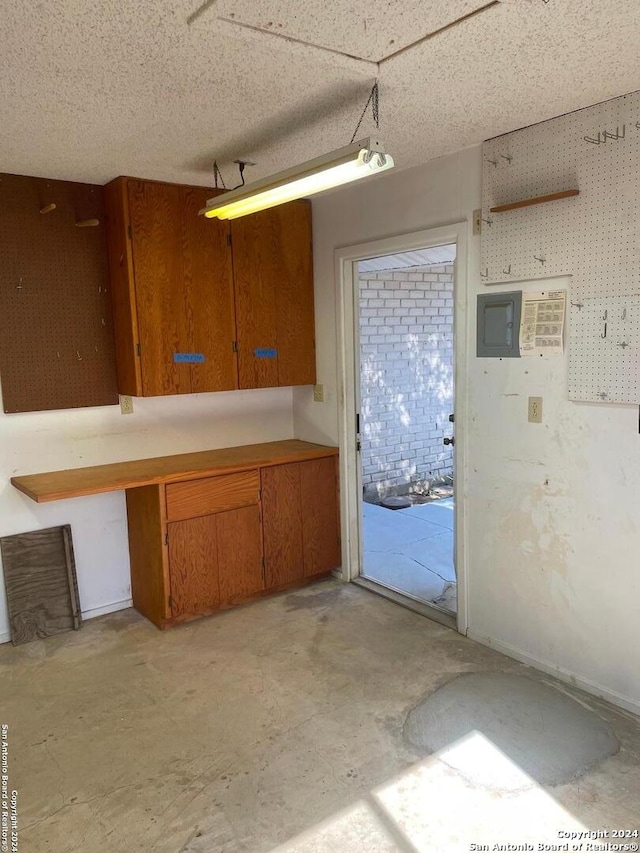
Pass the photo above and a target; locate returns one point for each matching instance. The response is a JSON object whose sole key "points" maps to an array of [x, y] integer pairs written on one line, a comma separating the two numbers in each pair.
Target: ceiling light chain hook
{"points": [[374, 99]]}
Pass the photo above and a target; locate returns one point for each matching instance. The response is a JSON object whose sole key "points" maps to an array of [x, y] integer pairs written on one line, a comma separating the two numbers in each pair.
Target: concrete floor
{"points": [[411, 550], [279, 725]]}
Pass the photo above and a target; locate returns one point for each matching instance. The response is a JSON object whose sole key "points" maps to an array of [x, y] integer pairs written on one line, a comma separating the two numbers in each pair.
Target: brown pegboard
{"points": [[56, 333]]}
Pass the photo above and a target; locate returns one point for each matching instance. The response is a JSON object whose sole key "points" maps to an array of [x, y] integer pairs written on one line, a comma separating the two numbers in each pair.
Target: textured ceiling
{"points": [[90, 91], [370, 30]]}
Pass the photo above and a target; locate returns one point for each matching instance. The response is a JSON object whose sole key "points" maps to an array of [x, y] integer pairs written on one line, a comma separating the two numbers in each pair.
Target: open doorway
{"points": [[405, 373], [347, 259]]}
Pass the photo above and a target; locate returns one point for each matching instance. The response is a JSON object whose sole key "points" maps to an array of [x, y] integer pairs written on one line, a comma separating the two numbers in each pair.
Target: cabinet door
{"points": [[320, 516], [255, 270], [207, 279], [239, 534], [295, 327], [282, 524], [193, 565], [274, 296], [155, 211]]}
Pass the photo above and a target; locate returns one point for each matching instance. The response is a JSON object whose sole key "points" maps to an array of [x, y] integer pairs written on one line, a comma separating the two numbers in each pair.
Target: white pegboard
{"points": [[604, 344], [594, 236]]}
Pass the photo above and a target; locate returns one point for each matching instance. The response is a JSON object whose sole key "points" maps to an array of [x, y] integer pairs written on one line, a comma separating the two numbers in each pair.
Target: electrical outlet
{"points": [[318, 393], [126, 404], [477, 223], [535, 410]]}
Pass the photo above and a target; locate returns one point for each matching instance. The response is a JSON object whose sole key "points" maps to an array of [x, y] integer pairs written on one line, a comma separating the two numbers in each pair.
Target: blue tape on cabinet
{"points": [[189, 357], [265, 353]]}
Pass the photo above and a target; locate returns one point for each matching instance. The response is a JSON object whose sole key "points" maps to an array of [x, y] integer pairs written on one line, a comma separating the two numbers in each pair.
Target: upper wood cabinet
{"points": [[172, 290], [273, 270], [205, 305]]}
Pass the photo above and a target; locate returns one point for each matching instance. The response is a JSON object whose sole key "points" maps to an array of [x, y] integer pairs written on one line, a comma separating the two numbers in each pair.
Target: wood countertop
{"points": [[77, 482]]}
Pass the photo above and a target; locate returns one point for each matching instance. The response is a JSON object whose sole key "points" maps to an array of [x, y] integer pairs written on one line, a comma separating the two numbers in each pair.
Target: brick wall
{"points": [[406, 356]]}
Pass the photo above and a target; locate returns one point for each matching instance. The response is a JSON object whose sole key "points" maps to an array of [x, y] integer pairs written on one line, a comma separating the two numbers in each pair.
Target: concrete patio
{"points": [[411, 550]]}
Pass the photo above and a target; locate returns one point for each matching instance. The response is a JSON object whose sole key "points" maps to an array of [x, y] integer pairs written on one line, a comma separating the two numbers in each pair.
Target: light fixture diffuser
{"points": [[355, 161]]}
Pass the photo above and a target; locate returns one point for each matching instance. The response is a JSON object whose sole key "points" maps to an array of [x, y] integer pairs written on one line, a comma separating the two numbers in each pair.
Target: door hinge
{"points": [[129, 232], [166, 538], [228, 239], [170, 602], [234, 345], [138, 350], [358, 431]]}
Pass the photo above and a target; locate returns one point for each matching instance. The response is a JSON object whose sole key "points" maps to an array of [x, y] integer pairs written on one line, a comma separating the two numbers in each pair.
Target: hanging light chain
{"points": [[218, 174], [374, 101], [375, 105]]}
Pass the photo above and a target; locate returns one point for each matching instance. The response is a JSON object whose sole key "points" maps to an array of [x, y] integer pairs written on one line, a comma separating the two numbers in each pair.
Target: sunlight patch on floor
{"points": [[433, 807]]}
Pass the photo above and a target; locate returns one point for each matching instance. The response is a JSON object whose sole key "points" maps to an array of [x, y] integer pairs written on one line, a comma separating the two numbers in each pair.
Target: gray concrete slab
{"points": [[397, 571], [545, 736], [412, 550], [434, 553], [386, 529], [434, 512], [275, 724]]}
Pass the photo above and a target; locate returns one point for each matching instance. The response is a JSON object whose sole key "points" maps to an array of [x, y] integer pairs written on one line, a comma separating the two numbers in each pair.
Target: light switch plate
{"points": [[477, 223], [126, 404], [318, 393], [535, 410]]}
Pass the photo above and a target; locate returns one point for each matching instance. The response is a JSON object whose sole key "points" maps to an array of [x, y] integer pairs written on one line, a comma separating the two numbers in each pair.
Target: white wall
{"points": [[554, 522], [50, 441], [553, 509]]}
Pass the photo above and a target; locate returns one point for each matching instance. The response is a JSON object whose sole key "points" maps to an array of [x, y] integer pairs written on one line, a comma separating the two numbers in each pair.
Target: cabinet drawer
{"points": [[213, 494]]}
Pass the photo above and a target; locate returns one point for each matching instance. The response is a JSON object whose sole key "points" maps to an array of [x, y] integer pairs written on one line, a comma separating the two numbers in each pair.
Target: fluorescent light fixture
{"points": [[359, 160]]}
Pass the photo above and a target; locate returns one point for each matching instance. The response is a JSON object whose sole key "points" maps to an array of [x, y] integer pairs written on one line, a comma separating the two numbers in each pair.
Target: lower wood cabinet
{"points": [[282, 507], [215, 560], [319, 494], [205, 544], [301, 520], [193, 565]]}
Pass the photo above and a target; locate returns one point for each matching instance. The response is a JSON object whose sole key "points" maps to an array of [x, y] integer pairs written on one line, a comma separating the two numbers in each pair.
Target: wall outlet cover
{"points": [[318, 393], [535, 410], [126, 404]]}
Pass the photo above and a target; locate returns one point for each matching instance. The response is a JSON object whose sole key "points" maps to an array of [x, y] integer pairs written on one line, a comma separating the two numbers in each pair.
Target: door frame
{"points": [[346, 259]]}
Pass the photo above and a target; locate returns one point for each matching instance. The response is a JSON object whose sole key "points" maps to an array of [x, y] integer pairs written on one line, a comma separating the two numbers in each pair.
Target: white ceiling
{"points": [[92, 90], [435, 255], [359, 28]]}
